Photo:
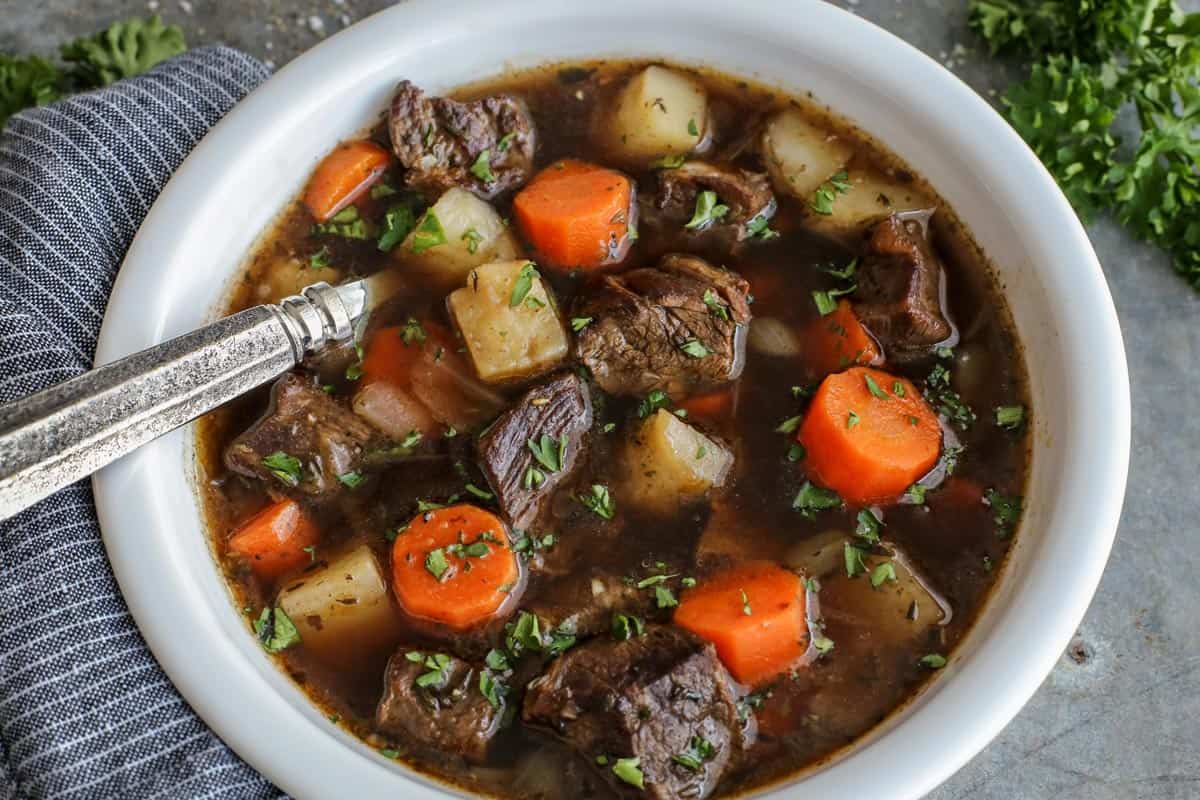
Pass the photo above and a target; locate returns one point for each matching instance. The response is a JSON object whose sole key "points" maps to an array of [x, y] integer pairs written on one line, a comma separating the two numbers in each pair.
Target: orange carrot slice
{"points": [[576, 214], [454, 566], [753, 614], [869, 435], [343, 176], [838, 340], [273, 541], [718, 404]]}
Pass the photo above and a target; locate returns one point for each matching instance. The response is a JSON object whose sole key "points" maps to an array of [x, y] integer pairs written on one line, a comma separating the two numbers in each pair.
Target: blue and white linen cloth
{"points": [[85, 711]]}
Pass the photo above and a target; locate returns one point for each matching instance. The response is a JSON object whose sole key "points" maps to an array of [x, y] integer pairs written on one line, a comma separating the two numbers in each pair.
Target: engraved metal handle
{"points": [[57, 436]]}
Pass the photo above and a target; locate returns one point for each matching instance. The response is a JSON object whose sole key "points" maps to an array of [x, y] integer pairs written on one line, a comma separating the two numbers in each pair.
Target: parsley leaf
{"points": [[629, 771], [827, 192], [579, 323], [122, 50], [599, 501], [275, 630], [284, 467], [428, 233], [708, 210], [811, 499], [482, 168], [523, 284]]}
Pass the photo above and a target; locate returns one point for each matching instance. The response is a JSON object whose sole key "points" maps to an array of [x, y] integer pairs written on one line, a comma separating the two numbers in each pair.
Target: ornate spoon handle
{"points": [[59, 435]]}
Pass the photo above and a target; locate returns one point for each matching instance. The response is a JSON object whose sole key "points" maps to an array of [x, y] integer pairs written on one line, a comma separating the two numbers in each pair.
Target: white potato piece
{"points": [[507, 341], [284, 277], [872, 196], [475, 234], [342, 608], [800, 155], [659, 112], [670, 462], [772, 336], [393, 410]]}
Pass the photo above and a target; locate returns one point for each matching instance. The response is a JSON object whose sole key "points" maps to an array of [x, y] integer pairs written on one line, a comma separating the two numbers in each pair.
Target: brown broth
{"points": [[823, 707]]}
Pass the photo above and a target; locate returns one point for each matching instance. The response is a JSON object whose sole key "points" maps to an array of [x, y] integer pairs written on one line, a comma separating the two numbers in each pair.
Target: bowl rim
{"points": [[990, 679]]}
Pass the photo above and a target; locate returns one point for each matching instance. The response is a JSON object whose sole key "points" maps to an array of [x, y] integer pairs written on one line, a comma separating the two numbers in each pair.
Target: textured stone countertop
{"points": [[1119, 718]]}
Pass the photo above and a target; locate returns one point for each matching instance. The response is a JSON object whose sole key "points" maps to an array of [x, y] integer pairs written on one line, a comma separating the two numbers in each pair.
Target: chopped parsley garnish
{"points": [[627, 626], [436, 563], [932, 661], [947, 401], [284, 467], [950, 457], [898, 389], [1010, 417], [826, 299], [745, 603], [796, 453], [692, 129], [493, 690], [655, 580], [789, 425], [319, 259], [482, 168], [856, 560], [916, 494], [708, 210], [473, 238], [505, 141], [751, 702], [823, 644], [868, 526], [598, 501], [351, 480], [496, 660], [410, 441], [398, 222], [873, 387], [694, 348], [275, 630], [1006, 511], [664, 597], [699, 750], [811, 499], [534, 478], [669, 162], [413, 332], [629, 771], [579, 323], [882, 573], [428, 233], [852, 419], [346, 223], [550, 453], [482, 494], [430, 505], [845, 273], [435, 665], [388, 752], [715, 306], [381, 190], [653, 402], [827, 192], [523, 284], [760, 228], [312, 552]]}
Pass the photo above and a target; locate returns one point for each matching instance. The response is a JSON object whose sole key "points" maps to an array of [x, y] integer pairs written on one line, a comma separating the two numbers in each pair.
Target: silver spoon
{"points": [[59, 435]]}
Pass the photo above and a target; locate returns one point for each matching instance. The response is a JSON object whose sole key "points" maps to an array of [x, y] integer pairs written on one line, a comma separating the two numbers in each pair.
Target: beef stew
{"points": [[688, 446]]}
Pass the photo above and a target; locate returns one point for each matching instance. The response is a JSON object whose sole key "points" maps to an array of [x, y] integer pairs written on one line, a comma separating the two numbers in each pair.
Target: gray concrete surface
{"points": [[1119, 718]]}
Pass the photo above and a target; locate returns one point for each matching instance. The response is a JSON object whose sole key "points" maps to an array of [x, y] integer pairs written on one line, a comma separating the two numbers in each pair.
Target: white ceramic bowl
{"points": [[220, 200]]}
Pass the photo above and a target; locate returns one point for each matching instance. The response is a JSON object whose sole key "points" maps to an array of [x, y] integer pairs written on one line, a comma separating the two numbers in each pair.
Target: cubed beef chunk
{"points": [[304, 441], [449, 714], [680, 327], [901, 288], [439, 140], [558, 411], [747, 196], [652, 697], [586, 600]]}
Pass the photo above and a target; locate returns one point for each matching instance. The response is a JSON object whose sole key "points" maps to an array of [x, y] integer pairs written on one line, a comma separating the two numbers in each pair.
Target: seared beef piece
{"points": [[438, 140], [559, 407], [450, 716], [652, 329], [747, 195], [586, 600], [307, 424], [647, 697], [901, 287]]}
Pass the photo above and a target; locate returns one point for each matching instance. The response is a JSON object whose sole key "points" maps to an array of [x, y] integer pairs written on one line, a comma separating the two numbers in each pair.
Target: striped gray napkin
{"points": [[85, 711]]}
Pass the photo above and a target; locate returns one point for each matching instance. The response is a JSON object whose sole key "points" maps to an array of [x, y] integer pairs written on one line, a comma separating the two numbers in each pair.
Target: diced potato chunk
{"points": [[896, 607], [872, 196], [659, 112], [670, 462], [342, 608], [506, 340], [284, 277], [799, 155], [475, 234]]}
